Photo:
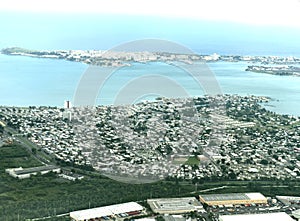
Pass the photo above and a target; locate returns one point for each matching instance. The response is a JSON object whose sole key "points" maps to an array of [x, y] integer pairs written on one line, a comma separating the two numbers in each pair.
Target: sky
{"points": [[206, 26], [258, 12]]}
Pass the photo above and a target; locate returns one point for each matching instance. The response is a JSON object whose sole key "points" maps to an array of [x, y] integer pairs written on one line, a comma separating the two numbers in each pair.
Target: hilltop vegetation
{"points": [[49, 195], [17, 50], [45, 195]]}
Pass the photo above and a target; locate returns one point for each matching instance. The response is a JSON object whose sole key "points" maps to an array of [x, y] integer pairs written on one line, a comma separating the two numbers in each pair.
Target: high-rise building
{"points": [[67, 104]]}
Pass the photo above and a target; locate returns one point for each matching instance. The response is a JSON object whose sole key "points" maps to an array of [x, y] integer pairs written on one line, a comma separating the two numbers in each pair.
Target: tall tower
{"points": [[67, 104], [67, 113]]}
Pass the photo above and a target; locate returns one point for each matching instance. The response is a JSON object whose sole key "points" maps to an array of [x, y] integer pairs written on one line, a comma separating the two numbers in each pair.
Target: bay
{"points": [[29, 81]]}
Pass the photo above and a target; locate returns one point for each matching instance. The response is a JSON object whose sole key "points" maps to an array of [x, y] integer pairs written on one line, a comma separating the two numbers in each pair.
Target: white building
{"points": [[281, 216], [71, 177], [23, 173], [122, 210], [175, 205]]}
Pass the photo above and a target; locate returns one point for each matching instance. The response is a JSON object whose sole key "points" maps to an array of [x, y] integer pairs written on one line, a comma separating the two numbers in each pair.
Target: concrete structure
{"points": [[23, 173], [174, 218], [145, 219], [71, 177], [233, 198], [121, 210], [296, 214], [174, 205], [289, 200], [281, 216]]}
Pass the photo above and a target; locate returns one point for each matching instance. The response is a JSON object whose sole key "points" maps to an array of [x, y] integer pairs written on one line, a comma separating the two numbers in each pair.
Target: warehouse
{"points": [[281, 216], [23, 173], [174, 205], [107, 212], [232, 199], [289, 200]]}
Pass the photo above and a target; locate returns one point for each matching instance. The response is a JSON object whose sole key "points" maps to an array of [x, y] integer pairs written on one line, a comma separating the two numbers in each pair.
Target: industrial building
{"points": [[233, 199], [289, 200], [280, 216], [23, 173], [71, 176], [175, 205], [107, 212]]}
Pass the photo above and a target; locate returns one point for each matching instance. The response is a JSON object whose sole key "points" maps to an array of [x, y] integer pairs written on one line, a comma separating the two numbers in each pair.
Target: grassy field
{"points": [[16, 156], [192, 161]]}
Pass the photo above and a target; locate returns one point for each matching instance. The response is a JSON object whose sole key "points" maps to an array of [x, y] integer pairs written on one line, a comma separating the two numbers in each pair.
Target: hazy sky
{"points": [[206, 26], [257, 12]]}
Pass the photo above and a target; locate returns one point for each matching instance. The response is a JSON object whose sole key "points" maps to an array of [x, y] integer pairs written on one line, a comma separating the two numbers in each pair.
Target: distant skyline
{"points": [[254, 12]]}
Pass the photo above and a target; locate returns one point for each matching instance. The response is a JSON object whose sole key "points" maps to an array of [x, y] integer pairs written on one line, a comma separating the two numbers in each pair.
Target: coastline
{"points": [[275, 70], [29, 81], [123, 58]]}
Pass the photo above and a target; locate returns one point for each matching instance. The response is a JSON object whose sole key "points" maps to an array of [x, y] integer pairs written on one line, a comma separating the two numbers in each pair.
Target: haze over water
{"points": [[43, 31]]}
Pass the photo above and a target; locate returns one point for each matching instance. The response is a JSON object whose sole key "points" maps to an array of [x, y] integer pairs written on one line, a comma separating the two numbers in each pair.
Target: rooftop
{"points": [[106, 211], [232, 196], [169, 205], [34, 169], [258, 217]]}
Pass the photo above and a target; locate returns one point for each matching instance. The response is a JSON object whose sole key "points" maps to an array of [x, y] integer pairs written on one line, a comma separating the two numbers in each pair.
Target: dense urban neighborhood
{"points": [[184, 146], [222, 137]]}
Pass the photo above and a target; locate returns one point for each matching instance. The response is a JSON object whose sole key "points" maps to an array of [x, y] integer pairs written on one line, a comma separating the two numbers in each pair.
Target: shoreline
{"points": [[121, 58], [280, 109], [275, 70]]}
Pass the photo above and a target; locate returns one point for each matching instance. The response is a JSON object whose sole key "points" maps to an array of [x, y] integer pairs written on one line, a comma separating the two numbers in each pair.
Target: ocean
{"points": [[27, 81]]}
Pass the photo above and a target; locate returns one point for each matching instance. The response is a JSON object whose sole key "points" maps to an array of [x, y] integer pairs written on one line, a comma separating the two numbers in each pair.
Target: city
{"points": [[150, 111], [111, 140], [124, 58]]}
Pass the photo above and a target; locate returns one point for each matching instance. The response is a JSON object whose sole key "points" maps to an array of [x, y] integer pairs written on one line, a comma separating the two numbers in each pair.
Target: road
{"points": [[40, 155]]}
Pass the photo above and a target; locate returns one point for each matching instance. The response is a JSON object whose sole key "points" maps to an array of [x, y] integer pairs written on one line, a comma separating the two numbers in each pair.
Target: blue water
{"points": [[284, 90], [34, 81]]}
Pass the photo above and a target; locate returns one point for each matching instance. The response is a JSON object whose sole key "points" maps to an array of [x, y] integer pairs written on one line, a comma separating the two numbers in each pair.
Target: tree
{"points": [[232, 175], [264, 162], [33, 150]]}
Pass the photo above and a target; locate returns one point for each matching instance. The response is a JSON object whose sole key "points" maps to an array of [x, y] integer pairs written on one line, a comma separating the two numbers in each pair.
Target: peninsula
{"points": [[124, 58], [276, 70]]}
